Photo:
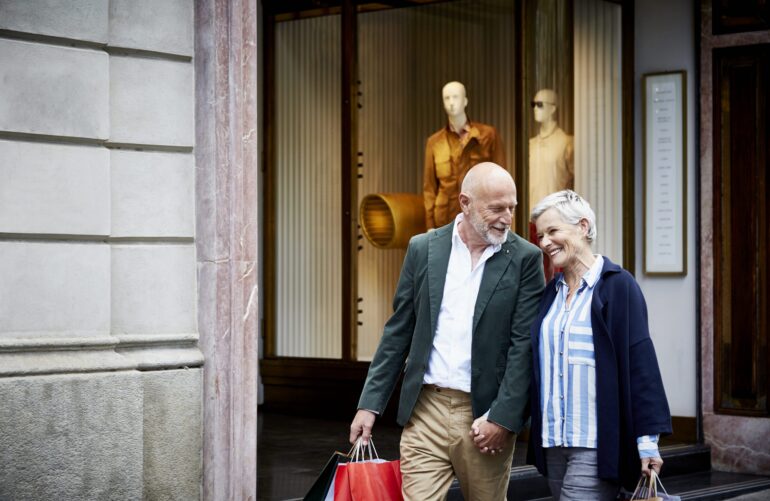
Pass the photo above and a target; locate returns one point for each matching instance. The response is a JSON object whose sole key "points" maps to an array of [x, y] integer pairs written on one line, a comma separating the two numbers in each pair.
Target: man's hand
{"points": [[651, 464], [362, 426], [489, 437]]}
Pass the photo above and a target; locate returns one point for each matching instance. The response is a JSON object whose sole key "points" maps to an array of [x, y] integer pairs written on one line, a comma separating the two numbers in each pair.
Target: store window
{"points": [[544, 75]]}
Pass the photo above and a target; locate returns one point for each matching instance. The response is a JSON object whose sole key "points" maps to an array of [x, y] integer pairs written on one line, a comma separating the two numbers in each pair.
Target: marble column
{"points": [[227, 162]]}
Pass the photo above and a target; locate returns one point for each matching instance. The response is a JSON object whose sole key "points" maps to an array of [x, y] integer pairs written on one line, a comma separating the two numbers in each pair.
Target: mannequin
{"points": [[551, 154], [451, 152], [551, 160]]}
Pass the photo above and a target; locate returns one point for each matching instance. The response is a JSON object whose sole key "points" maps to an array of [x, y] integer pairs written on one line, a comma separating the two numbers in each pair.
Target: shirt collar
{"points": [[456, 239], [590, 277], [466, 127]]}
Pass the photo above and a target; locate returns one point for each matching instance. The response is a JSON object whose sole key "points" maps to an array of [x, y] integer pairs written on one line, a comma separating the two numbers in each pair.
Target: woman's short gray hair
{"points": [[572, 208]]}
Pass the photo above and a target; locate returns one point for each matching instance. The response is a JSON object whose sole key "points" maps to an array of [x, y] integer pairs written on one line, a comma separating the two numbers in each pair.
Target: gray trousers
{"points": [[573, 475]]}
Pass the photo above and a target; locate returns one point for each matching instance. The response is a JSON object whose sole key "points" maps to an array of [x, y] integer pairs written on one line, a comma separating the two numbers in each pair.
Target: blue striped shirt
{"points": [[568, 369]]}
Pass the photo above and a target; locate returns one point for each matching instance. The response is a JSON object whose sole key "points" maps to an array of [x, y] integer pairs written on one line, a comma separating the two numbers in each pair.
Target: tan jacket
{"points": [[551, 165], [448, 157]]}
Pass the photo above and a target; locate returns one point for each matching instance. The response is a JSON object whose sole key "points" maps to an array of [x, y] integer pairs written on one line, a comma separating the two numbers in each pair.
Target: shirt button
{"points": [[561, 353], [561, 375], [562, 397]]}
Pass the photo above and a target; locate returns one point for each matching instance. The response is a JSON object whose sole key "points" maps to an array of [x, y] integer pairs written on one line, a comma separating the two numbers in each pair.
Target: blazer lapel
{"points": [[439, 248], [493, 271]]}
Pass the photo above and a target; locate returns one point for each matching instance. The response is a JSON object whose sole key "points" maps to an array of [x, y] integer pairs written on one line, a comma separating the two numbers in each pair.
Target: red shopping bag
{"points": [[375, 481], [372, 479]]}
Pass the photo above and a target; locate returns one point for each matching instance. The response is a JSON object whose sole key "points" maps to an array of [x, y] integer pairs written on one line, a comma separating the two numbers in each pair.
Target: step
{"points": [[685, 459], [527, 484], [715, 485]]}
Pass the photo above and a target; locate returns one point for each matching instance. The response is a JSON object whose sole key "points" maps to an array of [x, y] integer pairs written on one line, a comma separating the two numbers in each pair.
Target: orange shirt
{"points": [[448, 157]]}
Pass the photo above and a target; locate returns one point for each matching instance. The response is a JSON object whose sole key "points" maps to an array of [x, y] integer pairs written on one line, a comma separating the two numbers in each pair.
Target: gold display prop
{"points": [[389, 220]]}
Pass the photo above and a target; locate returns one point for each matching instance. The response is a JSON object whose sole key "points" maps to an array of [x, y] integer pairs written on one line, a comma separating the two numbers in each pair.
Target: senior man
{"points": [[467, 294]]}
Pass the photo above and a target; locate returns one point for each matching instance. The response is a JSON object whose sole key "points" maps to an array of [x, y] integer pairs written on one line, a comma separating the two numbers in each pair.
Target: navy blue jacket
{"points": [[630, 399]]}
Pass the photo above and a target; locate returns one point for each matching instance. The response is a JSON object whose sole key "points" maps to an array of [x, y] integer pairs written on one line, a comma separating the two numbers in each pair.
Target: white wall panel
{"points": [[54, 90], [54, 289], [151, 101], [54, 188], [165, 26], [391, 154], [75, 19], [152, 194], [308, 188], [598, 113], [153, 289]]}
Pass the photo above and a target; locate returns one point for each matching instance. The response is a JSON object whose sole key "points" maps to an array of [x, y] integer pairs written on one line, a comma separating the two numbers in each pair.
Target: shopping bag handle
{"points": [[657, 482], [359, 451], [647, 487]]}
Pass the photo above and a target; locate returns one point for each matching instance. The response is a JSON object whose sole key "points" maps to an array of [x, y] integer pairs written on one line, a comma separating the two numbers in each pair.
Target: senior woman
{"points": [[597, 398]]}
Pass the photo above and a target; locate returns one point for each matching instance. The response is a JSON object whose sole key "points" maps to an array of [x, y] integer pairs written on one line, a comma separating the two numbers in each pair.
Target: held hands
{"points": [[362, 426], [651, 464], [489, 437]]}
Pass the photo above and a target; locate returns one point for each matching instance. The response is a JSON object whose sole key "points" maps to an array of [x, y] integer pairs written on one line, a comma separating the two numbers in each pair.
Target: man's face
{"points": [[491, 212], [544, 105], [454, 99]]}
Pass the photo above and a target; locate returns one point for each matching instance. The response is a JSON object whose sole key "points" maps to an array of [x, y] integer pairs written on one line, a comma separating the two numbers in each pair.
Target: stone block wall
{"points": [[100, 370]]}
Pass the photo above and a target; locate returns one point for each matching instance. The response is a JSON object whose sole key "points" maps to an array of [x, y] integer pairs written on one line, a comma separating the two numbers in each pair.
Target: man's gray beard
{"points": [[484, 230], [492, 240]]}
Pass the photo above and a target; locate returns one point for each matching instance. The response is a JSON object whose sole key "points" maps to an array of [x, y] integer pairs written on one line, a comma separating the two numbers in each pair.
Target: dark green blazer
{"points": [[506, 305]]}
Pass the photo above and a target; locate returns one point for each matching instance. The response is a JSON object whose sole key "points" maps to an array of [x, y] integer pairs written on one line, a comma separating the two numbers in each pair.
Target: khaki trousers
{"points": [[436, 446]]}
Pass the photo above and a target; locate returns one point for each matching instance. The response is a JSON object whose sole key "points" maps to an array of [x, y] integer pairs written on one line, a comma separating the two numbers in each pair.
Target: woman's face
{"points": [[561, 241]]}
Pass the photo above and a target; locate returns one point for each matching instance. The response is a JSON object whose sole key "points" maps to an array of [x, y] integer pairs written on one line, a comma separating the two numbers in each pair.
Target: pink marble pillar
{"points": [[740, 444], [227, 163]]}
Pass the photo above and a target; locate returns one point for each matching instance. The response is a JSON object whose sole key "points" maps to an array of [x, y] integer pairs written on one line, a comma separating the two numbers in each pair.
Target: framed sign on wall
{"points": [[665, 173]]}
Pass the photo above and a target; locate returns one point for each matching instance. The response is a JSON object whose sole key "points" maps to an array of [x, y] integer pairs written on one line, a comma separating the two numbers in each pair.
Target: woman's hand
{"points": [[651, 464]]}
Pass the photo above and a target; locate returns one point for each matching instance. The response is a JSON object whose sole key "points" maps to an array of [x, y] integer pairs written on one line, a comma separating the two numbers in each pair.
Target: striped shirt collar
{"points": [[589, 278]]}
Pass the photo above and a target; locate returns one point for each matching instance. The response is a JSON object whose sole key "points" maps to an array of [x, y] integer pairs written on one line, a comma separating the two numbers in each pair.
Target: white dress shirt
{"points": [[449, 365]]}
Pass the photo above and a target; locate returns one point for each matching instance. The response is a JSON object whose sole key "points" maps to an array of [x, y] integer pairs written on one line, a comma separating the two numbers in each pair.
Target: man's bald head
{"points": [[484, 176]]}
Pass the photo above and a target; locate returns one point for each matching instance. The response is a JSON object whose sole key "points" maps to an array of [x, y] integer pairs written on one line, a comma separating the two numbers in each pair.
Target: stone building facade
{"points": [[114, 287]]}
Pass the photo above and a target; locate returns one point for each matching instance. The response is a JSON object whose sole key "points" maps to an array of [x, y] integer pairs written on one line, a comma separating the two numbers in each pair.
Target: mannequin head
{"points": [[455, 100], [544, 105]]}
